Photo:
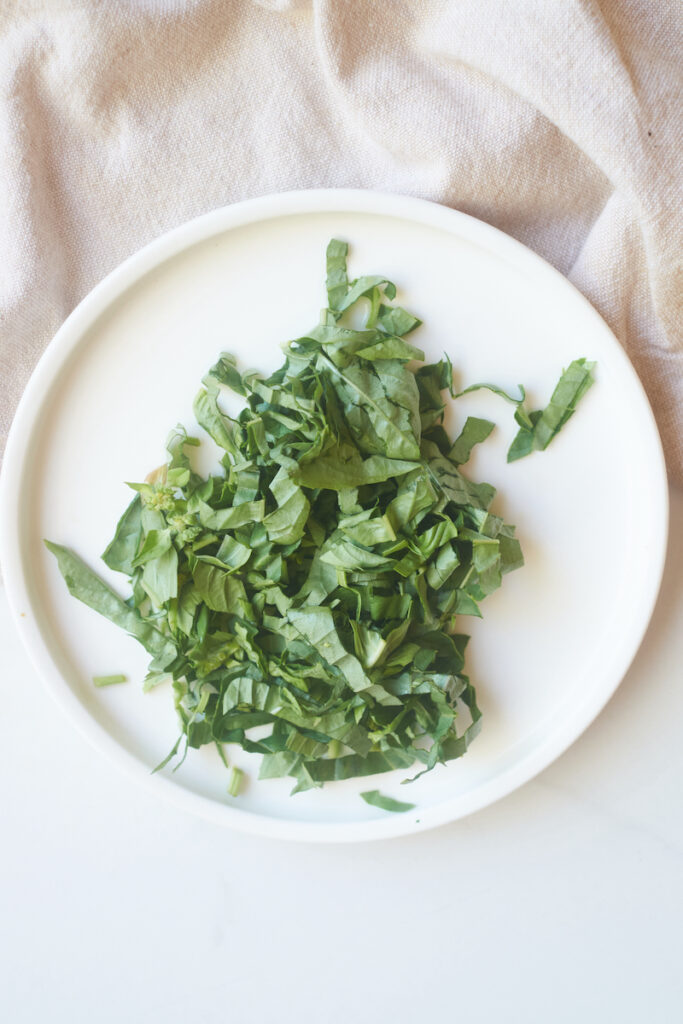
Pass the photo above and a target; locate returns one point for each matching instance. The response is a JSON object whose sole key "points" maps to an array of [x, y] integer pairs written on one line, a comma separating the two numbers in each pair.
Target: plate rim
{"points": [[25, 424]]}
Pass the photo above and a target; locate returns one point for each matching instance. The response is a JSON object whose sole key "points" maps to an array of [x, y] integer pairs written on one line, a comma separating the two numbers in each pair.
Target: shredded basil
{"points": [[314, 585]]}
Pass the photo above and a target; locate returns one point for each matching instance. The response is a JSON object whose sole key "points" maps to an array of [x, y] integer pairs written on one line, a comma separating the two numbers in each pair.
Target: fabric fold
{"points": [[558, 122]]}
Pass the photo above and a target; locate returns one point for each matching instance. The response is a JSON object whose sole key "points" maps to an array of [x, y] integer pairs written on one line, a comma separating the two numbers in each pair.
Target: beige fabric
{"points": [[557, 120]]}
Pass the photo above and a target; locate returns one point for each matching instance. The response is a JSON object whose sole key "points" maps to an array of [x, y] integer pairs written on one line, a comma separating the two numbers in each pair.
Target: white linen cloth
{"points": [[558, 121]]}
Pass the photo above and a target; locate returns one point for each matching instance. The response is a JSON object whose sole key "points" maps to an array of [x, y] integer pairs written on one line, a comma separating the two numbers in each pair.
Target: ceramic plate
{"points": [[591, 511]]}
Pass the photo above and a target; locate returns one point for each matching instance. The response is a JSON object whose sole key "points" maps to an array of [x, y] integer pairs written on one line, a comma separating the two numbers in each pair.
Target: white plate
{"points": [[591, 511]]}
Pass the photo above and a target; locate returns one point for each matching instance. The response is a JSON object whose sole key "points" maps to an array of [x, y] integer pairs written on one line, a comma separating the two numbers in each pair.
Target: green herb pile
{"points": [[313, 586]]}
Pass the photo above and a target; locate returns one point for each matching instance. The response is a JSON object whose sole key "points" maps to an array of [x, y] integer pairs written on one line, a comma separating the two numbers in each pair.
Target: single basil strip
{"points": [[235, 783], [108, 680], [537, 431], [474, 432], [337, 282], [89, 588], [385, 803]]}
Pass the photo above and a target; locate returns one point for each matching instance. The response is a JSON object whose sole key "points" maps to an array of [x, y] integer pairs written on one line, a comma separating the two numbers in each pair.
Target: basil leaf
{"points": [[536, 432], [121, 551], [385, 803], [89, 588], [474, 431], [337, 282], [108, 680]]}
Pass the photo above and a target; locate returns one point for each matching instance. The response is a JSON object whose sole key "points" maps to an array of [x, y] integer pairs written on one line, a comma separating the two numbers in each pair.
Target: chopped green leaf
{"points": [[537, 431], [236, 776], [337, 281], [87, 586], [108, 680], [121, 552], [474, 431], [386, 803]]}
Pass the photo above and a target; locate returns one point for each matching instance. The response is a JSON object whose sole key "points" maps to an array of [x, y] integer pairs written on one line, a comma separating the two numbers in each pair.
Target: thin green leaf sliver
{"points": [[536, 433], [89, 588], [112, 680], [236, 777], [386, 803]]}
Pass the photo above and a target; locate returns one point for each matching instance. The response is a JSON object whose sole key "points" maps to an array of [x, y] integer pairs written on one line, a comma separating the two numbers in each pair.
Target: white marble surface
{"points": [[562, 903]]}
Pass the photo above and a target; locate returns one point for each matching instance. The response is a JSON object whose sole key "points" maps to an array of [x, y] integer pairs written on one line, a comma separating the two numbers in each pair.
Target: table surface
{"points": [[561, 903]]}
